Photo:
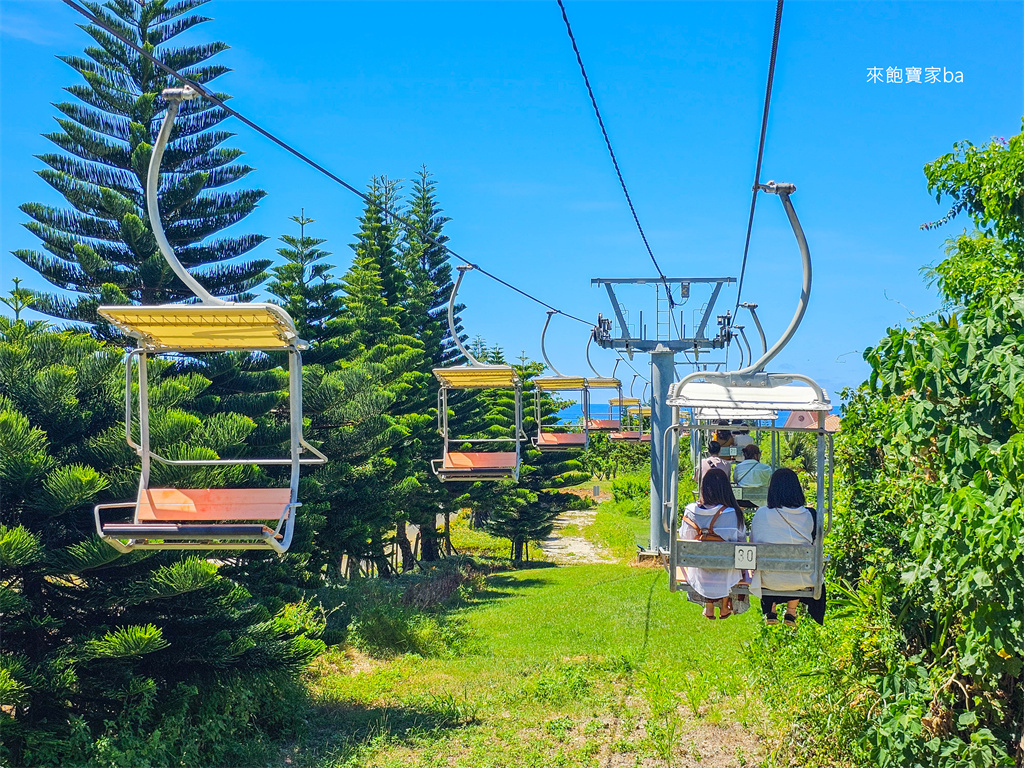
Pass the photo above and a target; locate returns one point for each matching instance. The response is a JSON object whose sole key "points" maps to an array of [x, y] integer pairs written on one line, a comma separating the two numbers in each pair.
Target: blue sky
{"points": [[489, 97]]}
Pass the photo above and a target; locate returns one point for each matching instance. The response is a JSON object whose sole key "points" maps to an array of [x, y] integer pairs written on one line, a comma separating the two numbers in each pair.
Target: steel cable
{"points": [[760, 152], [611, 152], [407, 223]]}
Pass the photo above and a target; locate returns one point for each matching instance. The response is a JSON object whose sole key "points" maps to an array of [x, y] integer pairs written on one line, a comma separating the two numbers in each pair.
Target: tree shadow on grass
{"points": [[502, 586], [347, 733]]}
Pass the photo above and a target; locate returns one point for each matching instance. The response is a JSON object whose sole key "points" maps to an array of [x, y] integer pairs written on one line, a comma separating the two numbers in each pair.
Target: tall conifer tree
{"points": [[102, 247], [144, 649]]}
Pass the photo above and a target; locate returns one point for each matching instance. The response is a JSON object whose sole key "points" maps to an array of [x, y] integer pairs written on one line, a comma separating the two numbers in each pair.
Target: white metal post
{"points": [[662, 375]]}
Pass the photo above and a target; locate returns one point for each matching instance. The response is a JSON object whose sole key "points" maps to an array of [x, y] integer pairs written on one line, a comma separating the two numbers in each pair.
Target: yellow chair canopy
{"points": [[478, 377], [558, 383], [205, 327], [626, 401]]}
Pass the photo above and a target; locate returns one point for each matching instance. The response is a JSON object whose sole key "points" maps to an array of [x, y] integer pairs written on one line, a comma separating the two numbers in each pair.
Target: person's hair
{"points": [[714, 448], [784, 490], [751, 451], [724, 433], [715, 489]]}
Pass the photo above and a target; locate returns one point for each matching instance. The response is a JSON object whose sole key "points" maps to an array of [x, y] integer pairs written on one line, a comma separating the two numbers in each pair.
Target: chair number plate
{"points": [[745, 557]]}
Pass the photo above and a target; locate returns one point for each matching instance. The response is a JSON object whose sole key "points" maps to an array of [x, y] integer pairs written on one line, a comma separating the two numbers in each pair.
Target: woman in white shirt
{"points": [[716, 513], [785, 520]]}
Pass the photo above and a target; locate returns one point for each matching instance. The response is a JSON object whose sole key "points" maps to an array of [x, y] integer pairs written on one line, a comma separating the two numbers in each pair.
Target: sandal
{"points": [[771, 620], [789, 619]]}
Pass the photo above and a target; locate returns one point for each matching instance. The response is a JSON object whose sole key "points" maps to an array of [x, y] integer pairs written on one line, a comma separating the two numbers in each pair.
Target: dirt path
{"points": [[567, 545]]}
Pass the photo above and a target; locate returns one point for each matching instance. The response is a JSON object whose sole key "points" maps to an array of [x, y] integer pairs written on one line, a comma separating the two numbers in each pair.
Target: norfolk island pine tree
{"points": [[106, 655], [104, 251]]}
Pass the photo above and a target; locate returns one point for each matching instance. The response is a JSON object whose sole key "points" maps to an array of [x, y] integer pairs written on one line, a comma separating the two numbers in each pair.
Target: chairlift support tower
{"points": [[663, 355]]}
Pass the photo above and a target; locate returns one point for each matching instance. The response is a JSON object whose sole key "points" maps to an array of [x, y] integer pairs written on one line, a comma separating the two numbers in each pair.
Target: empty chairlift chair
{"points": [[631, 427], [203, 518], [561, 436], [469, 465], [608, 420]]}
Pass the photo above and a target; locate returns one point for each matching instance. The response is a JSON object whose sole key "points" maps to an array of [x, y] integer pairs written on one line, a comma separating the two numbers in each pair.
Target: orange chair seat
{"points": [[561, 438], [624, 436], [187, 504], [602, 424], [469, 461]]}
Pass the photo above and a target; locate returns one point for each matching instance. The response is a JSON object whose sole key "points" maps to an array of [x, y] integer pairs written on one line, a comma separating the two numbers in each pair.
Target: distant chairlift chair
{"points": [[563, 436], [751, 418], [203, 518], [611, 420], [471, 466]]}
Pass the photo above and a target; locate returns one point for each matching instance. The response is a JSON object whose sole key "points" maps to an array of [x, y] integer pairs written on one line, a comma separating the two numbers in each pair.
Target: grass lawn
{"points": [[584, 665]]}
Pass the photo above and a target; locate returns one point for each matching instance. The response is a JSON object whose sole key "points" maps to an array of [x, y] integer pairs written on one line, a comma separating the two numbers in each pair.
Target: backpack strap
{"points": [[711, 526], [814, 525]]}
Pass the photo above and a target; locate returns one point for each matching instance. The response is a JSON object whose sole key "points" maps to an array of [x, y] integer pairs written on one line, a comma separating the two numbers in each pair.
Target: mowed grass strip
{"points": [[569, 666]]}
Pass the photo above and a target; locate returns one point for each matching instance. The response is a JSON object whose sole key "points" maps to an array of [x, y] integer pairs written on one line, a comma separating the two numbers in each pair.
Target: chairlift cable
{"points": [[627, 362], [611, 152], [404, 221], [760, 151]]}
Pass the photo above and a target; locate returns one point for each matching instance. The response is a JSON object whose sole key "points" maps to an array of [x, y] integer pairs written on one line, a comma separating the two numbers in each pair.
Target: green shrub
{"points": [[389, 629], [631, 487]]}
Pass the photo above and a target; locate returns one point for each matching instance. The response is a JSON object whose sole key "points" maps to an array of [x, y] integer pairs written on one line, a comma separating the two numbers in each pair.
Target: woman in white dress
{"points": [[714, 517], [785, 519]]}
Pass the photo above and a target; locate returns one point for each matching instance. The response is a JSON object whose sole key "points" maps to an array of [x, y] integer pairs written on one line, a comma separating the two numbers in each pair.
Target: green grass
{"points": [[473, 541], [617, 530], [569, 666]]}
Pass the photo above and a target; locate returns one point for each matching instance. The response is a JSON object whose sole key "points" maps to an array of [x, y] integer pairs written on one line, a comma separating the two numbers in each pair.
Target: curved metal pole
{"points": [[743, 335], [742, 358], [463, 269], [784, 191], [543, 350], [596, 372], [174, 97], [757, 324]]}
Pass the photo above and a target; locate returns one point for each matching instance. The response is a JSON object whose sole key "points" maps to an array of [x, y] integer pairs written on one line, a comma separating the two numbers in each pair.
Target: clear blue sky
{"points": [[489, 97]]}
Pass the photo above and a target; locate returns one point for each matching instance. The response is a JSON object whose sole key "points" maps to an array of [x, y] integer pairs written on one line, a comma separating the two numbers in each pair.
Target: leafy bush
{"points": [[388, 617], [388, 629], [634, 492], [924, 666]]}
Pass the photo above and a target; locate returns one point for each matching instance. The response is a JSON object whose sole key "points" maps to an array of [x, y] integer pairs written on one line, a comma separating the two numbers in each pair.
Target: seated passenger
{"points": [[741, 438], [785, 520], [714, 517], [751, 473], [724, 437], [713, 460]]}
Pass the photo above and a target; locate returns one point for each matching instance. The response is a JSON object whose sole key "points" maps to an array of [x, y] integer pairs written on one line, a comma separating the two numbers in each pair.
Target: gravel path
{"points": [[573, 548]]}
